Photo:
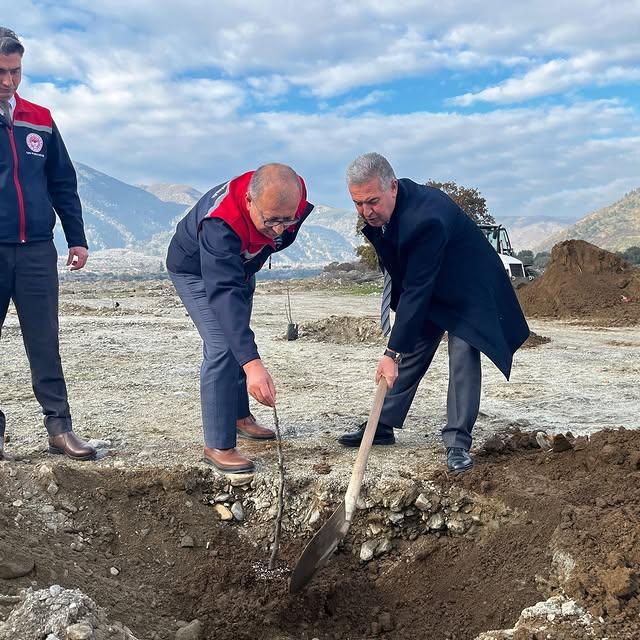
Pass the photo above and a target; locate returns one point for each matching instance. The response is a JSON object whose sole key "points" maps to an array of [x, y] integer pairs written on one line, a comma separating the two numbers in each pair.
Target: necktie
{"points": [[6, 111], [385, 306]]}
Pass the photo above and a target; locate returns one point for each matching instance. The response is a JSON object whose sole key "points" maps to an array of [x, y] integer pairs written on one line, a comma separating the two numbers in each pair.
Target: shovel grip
{"points": [[353, 490]]}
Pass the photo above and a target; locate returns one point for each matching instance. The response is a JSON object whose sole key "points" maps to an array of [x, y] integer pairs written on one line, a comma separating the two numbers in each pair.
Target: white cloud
{"points": [[330, 47], [154, 91], [556, 76]]}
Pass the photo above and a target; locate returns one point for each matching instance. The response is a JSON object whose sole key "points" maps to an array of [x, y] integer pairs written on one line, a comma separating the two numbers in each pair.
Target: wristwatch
{"points": [[394, 355]]}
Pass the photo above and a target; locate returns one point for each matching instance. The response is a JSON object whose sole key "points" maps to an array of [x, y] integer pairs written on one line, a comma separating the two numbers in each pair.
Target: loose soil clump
{"points": [[344, 330], [585, 283], [535, 340]]}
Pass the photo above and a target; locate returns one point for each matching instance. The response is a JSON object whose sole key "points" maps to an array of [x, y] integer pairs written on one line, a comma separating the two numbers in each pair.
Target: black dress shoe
{"points": [[458, 459], [383, 435]]}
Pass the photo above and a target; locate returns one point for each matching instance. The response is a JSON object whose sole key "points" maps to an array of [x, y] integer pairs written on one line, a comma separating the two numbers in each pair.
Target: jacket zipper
{"points": [[23, 232]]}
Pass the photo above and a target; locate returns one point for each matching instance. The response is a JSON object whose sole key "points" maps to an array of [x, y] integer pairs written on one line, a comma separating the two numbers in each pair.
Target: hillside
{"points": [[178, 193], [527, 232], [615, 228], [118, 215], [138, 222]]}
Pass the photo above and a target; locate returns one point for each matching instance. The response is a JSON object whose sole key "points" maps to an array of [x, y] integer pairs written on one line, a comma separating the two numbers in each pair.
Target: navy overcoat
{"points": [[445, 273]]}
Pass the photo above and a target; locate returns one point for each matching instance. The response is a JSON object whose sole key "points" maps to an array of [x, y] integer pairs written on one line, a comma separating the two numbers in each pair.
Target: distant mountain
{"points": [[615, 228], [527, 232], [177, 193], [140, 222], [119, 215]]}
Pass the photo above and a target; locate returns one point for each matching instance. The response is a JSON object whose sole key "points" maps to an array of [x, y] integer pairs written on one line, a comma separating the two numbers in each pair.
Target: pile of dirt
{"points": [[344, 330], [535, 340], [587, 283]]}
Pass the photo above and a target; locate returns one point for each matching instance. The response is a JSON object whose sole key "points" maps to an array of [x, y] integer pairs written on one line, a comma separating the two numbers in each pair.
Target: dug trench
{"points": [[428, 555]]}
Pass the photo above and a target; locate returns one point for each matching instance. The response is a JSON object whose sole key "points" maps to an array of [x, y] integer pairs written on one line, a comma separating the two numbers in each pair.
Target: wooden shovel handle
{"points": [[353, 490]]}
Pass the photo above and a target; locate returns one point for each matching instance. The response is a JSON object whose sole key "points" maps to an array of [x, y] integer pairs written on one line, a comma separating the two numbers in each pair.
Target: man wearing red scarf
{"points": [[213, 257]]}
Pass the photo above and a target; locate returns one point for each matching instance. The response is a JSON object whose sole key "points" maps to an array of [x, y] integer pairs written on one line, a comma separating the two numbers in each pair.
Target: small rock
{"points": [[191, 631], [17, 503], [422, 502], [223, 512], [240, 479], [237, 511], [53, 488], [79, 631], [458, 525], [187, 542], [396, 517], [114, 571], [14, 564], [55, 590], [384, 547], [222, 497], [570, 608], [436, 522], [99, 444], [367, 550]]}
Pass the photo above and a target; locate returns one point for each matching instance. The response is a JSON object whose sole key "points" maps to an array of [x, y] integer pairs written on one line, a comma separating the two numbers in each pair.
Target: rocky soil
{"points": [[149, 543]]}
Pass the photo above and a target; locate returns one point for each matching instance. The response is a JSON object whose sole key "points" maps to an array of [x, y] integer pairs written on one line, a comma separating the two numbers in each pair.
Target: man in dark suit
{"points": [[443, 276]]}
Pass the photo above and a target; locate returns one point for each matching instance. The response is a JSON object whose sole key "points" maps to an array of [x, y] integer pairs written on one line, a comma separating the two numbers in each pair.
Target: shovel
{"points": [[323, 544]]}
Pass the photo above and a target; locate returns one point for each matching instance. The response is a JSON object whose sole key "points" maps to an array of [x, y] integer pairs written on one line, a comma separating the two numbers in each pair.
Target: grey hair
{"points": [[281, 175], [9, 43], [369, 166]]}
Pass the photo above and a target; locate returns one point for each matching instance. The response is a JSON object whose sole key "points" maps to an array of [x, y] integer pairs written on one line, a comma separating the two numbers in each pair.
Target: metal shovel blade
{"points": [[320, 548], [322, 545]]}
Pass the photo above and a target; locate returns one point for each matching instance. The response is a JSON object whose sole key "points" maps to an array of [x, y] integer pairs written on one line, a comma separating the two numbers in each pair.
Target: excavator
{"points": [[498, 238]]}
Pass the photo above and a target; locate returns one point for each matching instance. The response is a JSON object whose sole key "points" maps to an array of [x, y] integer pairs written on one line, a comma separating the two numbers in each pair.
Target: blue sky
{"points": [[535, 104]]}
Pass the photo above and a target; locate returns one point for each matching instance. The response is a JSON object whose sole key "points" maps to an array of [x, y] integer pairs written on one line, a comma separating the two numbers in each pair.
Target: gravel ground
{"points": [[132, 373]]}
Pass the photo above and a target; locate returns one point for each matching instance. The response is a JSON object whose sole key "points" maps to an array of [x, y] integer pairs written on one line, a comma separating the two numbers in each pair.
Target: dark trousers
{"points": [[463, 396], [29, 277], [223, 384]]}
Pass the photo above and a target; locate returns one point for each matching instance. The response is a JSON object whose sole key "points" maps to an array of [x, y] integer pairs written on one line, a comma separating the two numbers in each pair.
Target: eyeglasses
{"points": [[270, 223], [275, 222]]}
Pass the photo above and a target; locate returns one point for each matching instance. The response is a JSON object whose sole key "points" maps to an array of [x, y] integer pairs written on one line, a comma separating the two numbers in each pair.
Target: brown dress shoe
{"points": [[228, 460], [250, 429], [69, 444]]}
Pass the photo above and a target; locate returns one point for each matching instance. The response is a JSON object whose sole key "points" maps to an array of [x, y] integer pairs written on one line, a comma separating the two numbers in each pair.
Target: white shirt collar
{"points": [[12, 104]]}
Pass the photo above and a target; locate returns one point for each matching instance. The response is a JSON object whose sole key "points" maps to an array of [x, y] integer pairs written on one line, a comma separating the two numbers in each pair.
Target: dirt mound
{"points": [[587, 283], [535, 340], [344, 330]]}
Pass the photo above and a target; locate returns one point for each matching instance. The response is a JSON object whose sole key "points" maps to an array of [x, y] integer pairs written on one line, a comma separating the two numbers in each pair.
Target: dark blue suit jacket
{"points": [[444, 272]]}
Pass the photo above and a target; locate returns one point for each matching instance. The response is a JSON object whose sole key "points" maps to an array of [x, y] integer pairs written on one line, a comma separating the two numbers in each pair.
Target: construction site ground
{"points": [[140, 529]]}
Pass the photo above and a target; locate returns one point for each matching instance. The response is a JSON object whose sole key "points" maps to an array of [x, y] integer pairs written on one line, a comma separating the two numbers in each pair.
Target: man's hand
{"points": [[259, 383], [388, 370], [77, 258]]}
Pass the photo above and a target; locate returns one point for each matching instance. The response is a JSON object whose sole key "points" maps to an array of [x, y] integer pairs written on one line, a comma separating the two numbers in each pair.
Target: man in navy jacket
{"points": [[445, 276], [37, 180], [217, 249]]}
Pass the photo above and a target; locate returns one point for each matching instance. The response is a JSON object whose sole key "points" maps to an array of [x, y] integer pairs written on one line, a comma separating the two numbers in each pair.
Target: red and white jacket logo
{"points": [[34, 142]]}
